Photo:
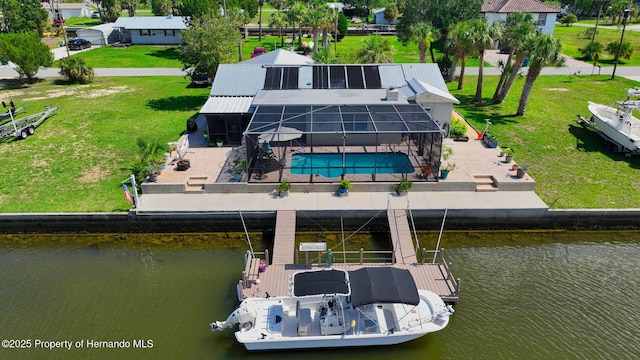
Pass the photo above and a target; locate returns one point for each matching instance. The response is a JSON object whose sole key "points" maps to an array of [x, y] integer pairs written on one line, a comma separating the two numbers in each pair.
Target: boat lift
{"points": [[23, 127]]}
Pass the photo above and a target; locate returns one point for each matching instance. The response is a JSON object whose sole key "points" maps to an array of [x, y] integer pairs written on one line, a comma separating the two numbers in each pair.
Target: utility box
{"points": [[304, 322]]}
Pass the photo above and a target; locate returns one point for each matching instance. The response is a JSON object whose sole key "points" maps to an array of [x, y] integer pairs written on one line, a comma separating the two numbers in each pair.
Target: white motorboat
{"points": [[337, 308], [617, 122]]}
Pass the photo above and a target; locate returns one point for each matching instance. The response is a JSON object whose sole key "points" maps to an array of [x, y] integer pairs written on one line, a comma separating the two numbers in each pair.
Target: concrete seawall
{"points": [[457, 219]]}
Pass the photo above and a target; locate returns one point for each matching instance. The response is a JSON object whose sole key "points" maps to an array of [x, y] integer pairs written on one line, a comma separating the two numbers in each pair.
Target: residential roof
{"points": [[227, 104], [414, 88], [151, 23], [281, 57], [324, 97], [103, 28], [513, 6], [238, 80]]}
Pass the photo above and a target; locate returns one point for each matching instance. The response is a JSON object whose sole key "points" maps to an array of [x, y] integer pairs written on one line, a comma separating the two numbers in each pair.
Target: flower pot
{"points": [[520, 173], [152, 178], [402, 192], [219, 143], [480, 136], [508, 158], [343, 191], [284, 193], [514, 167], [443, 174]]}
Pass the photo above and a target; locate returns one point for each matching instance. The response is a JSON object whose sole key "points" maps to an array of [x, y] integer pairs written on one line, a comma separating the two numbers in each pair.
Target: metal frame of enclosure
{"points": [[276, 133]]}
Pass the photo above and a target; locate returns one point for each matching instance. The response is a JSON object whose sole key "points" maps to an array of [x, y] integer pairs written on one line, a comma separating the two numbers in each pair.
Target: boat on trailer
{"points": [[617, 124], [338, 308]]}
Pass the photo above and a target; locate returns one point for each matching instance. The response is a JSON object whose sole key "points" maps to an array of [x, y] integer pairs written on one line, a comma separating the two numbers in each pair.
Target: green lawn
{"points": [[136, 56], [573, 38], [77, 158], [570, 163], [82, 22]]}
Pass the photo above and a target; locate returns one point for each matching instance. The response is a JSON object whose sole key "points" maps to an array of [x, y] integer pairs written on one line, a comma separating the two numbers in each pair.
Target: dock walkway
{"points": [[285, 237], [403, 250]]}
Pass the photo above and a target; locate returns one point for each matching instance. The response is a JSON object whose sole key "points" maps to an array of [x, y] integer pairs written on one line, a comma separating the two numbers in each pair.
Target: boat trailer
{"points": [[23, 127], [608, 142]]}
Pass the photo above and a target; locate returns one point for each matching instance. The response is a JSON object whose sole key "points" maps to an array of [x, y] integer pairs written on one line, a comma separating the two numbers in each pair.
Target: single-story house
{"points": [[497, 10], [378, 15], [381, 107], [102, 34], [151, 30], [68, 10]]}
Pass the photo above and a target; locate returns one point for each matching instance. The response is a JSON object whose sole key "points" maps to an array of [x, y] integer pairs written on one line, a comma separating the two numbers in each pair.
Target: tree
{"points": [[110, 10], [569, 19], [74, 69], [161, 7], [518, 26], [324, 56], [279, 20], [591, 49], [376, 50], [22, 16], [390, 12], [343, 25], [543, 50], [27, 52], [483, 36], [316, 19], [196, 8], [211, 41], [461, 36], [130, 5], [424, 34], [296, 14], [625, 52]]}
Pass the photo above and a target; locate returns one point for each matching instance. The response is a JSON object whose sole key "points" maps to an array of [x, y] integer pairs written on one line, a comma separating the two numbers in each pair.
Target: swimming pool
{"points": [[330, 165]]}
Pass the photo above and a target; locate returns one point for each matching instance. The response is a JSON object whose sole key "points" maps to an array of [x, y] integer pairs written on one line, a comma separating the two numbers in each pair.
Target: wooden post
{"points": [[297, 256], [266, 256], [244, 280], [361, 256]]}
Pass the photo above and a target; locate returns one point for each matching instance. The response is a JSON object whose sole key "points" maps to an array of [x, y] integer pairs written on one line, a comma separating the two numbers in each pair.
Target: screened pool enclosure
{"points": [[325, 143]]}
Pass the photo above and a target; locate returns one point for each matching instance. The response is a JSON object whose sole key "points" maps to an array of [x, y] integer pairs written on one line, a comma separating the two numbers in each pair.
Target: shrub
{"points": [[590, 50], [569, 19], [458, 127], [76, 70]]}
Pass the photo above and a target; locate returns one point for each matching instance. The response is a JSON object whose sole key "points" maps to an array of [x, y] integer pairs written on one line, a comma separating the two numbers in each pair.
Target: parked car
{"points": [[505, 49], [78, 44], [257, 51], [200, 79], [95, 15]]}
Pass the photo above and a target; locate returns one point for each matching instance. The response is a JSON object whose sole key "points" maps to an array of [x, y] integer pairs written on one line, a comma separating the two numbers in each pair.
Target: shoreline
{"points": [[230, 221]]}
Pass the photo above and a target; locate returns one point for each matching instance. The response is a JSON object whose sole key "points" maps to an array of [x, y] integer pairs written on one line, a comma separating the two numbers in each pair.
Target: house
{"points": [[151, 30], [378, 16], [543, 14], [67, 10], [286, 79], [102, 34]]}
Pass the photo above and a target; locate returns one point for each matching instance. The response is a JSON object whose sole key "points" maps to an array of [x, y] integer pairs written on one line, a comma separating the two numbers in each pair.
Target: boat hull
{"points": [[625, 133]]}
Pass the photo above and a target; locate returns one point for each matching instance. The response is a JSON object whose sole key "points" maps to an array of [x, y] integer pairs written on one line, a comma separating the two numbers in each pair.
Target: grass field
{"points": [[571, 165], [138, 56], [77, 158], [573, 39]]}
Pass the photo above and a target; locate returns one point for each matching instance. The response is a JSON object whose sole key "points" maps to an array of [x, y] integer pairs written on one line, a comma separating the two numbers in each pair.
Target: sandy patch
{"points": [[95, 174], [105, 92], [557, 89], [80, 92]]}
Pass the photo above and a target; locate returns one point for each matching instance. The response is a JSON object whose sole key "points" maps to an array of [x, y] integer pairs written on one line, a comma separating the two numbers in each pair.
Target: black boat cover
{"points": [[320, 283], [383, 285]]}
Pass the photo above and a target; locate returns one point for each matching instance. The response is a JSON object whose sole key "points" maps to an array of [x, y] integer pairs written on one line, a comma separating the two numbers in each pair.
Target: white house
{"points": [[151, 30], [543, 14], [68, 10]]}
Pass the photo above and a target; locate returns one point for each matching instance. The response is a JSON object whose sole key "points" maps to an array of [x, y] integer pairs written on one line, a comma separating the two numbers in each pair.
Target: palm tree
{"points": [[261, 4], [483, 36], [518, 27], [542, 50], [328, 23], [324, 56], [460, 35], [315, 19], [376, 50], [76, 70], [279, 20], [424, 34], [296, 14]]}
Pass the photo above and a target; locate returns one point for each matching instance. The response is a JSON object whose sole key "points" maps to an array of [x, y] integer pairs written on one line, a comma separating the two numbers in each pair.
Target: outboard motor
{"points": [[244, 315]]}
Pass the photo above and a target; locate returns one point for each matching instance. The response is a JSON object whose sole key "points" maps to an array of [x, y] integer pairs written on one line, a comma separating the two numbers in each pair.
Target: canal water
{"points": [[555, 295]]}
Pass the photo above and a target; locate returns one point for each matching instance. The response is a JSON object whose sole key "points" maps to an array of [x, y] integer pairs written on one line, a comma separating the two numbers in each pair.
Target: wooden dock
{"points": [[274, 281], [285, 237], [403, 250]]}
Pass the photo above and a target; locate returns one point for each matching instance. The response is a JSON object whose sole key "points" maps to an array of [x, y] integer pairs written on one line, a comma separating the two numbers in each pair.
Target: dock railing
{"points": [[353, 256], [252, 267]]}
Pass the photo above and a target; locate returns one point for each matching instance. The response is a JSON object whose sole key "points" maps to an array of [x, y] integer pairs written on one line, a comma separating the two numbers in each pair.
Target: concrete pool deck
{"points": [[481, 180]]}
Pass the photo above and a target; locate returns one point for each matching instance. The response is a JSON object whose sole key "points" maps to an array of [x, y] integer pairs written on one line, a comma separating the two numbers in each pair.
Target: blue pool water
{"points": [[330, 165]]}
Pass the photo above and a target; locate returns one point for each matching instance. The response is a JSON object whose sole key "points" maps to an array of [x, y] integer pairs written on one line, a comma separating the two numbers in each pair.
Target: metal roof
{"points": [[325, 97], [414, 88], [227, 104], [152, 23], [361, 119], [238, 80], [281, 57], [105, 29]]}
